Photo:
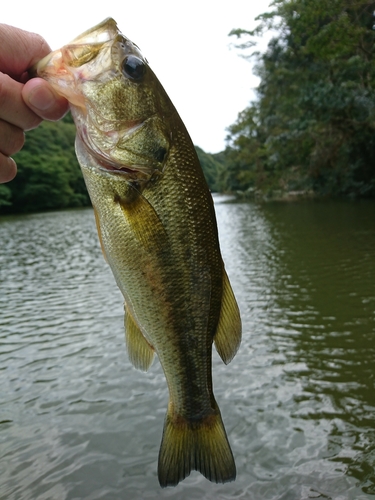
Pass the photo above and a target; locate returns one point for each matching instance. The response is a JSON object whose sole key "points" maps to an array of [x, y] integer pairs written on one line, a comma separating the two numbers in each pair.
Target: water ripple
{"points": [[77, 421]]}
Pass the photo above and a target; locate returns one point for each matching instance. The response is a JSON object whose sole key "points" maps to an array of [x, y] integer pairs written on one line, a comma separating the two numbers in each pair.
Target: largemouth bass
{"points": [[157, 228]]}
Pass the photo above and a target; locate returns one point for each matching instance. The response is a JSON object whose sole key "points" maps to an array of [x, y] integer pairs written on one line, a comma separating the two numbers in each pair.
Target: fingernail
{"points": [[8, 169], [41, 98]]}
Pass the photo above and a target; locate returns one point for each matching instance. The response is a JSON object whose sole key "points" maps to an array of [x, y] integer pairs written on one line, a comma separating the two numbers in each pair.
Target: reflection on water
{"points": [[78, 421], [327, 299]]}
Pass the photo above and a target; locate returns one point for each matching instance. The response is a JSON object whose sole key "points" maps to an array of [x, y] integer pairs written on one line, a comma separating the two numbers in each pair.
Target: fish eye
{"points": [[133, 67]]}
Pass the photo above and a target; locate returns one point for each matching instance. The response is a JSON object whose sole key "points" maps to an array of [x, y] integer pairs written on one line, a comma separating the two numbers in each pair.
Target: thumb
{"points": [[41, 98]]}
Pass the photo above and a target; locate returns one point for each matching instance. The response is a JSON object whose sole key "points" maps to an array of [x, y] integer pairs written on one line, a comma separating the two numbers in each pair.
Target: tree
{"points": [[313, 124], [211, 168], [48, 176]]}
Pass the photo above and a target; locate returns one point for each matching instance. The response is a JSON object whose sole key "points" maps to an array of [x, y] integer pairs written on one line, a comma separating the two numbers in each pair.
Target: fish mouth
{"points": [[114, 168], [66, 67], [105, 163], [106, 166]]}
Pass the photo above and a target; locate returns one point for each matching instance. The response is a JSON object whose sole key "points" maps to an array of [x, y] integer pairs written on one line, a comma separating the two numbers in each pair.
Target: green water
{"points": [[298, 400]]}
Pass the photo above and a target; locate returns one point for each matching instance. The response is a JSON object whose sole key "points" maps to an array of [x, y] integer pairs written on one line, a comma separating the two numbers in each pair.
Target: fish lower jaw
{"points": [[105, 164], [130, 174], [113, 168]]}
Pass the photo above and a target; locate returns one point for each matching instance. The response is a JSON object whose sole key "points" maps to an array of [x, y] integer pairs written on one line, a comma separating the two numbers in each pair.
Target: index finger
{"points": [[19, 50]]}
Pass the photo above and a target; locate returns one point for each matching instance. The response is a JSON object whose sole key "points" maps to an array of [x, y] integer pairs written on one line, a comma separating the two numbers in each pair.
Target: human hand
{"points": [[24, 102]]}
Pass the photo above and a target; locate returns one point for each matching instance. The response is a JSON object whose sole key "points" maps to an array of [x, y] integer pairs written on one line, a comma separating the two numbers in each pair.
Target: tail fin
{"points": [[200, 445]]}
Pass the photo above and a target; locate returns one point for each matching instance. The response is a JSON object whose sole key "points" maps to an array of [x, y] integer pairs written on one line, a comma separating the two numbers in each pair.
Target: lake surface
{"points": [[77, 421]]}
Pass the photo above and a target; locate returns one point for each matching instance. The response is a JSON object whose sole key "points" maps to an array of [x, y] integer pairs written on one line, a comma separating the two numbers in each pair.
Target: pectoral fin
{"points": [[140, 352], [146, 225], [228, 334]]}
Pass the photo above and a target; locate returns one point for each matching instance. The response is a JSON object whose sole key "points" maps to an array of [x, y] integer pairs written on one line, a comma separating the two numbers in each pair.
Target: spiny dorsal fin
{"points": [[140, 352], [228, 334]]}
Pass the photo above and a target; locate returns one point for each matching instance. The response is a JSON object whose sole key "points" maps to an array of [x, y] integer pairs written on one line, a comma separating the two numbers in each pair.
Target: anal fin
{"points": [[228, 334], [140, 352]]}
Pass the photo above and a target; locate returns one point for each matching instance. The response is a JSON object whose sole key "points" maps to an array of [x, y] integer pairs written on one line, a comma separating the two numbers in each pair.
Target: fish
{"points": [[156, 224]]}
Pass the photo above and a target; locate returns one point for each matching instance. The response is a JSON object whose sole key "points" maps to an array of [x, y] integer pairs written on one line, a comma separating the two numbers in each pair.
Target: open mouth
{"points": [[112, 167], [106, 164], [140, 168]]}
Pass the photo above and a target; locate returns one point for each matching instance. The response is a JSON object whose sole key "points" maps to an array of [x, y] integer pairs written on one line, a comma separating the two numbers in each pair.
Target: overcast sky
{"points": [[185, 42]]}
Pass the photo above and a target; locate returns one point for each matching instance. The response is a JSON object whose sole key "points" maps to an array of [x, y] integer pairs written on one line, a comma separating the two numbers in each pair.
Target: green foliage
{"points": [[48, 174], [212, 168], [5, 196], [313, 124]]}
